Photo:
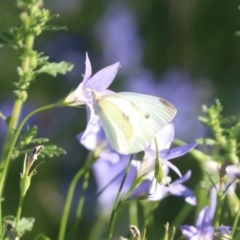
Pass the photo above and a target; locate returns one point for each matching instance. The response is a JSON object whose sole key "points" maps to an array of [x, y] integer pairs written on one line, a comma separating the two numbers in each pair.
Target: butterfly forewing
{"points": [[117, 120], [155, 113], [131, 120]]}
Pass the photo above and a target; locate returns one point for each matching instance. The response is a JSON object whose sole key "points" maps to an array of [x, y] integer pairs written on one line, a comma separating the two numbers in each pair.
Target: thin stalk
{"points": [[19, 211], [220, 201], [82, 198], [66, 210], [235, 222], [17, 108], [133, 219], [116, 202]]}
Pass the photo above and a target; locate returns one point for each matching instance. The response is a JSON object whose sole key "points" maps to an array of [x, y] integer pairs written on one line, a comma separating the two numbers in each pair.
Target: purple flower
{"points": [[159, 191], [109, 176], [99, 82], [82, 95], [203, 229], [96, 139], [164, 139], [233, 171]]}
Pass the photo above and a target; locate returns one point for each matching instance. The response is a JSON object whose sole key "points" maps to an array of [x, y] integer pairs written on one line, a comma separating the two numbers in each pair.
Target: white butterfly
{"points": [[131, 120]]}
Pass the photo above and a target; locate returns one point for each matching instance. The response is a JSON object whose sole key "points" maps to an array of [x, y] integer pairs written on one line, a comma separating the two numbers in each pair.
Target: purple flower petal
{"points": [[157, 191], [92, 122], [164, 137], [224, 230], [88, 70], [109, 177], [188, 231], [233, 171], [179, 151], [173, 167], [177, 189], [103, 78]]}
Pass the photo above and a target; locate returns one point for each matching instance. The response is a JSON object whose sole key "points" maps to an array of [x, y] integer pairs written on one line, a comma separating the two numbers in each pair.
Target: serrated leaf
{"points": [[227, 120], [27, 138], [39, 141], [25, 224], [203, 119], [20, 71], [52, 150], [54, 28], [206, 141], [55, 68]]}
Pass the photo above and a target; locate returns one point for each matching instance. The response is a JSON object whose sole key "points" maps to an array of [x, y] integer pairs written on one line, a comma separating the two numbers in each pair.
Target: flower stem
{"points": [[220, 201], [20, 98], [133, 219], [19, 211], [66, 210], [235, 222], [82, 197], [116, 202]]}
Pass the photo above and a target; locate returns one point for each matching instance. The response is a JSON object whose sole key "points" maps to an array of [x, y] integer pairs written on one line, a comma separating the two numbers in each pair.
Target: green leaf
{"points": [[25, 224], [52, 150], [55, 68], [54, 28], [26, 139]]}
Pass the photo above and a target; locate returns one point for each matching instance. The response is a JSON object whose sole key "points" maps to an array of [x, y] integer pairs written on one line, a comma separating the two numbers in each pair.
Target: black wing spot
{"points": [[125, 117], [147, 115], [166, 103]]}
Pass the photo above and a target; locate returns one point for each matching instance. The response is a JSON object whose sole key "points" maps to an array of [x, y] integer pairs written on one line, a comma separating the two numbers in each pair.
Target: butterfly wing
{"points": [[131, 120], [155, 113], [117, 116]]}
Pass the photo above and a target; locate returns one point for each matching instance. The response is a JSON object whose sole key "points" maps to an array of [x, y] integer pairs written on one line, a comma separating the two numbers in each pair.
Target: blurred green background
{"points": [[185, 51]]}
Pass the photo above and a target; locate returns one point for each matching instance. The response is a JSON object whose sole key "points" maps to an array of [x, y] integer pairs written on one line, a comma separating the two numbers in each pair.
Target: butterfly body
{"points": [[131, 120]]}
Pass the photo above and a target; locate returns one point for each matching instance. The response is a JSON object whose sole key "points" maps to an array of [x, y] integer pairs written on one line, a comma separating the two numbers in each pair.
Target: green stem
{"points": [[19, 211], [66, 210], [133, 219], [116, 202], [82, 198], [18, 104], [220, 201], [10, 135], [235, 222]]}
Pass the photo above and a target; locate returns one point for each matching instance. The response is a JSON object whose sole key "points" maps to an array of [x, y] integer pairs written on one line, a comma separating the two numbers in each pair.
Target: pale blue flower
{"points": [[109, 176], [203, 229], [164, 139], [100, 82], [175, 188], [82, 95]]}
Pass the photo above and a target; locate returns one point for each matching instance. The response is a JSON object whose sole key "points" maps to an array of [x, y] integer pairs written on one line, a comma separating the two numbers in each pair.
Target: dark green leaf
{"points": [[55, 68]]}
